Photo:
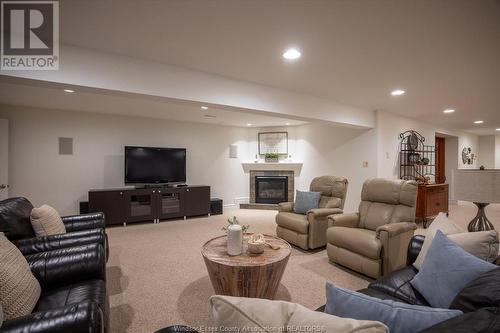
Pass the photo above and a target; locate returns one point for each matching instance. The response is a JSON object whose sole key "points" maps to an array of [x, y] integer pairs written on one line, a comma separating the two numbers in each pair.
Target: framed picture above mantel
{"points": [[273, 142]]}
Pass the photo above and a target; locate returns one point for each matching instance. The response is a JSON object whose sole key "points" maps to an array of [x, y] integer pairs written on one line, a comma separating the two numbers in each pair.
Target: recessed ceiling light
{"points": [[397, 92], [449, 111], [292, 54], [249, 124], [287, 124], [478, 122], [498, 129], [204, 107], [69, 90]]}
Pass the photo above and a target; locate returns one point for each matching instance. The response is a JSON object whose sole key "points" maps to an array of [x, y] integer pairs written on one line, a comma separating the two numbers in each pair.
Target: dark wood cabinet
{"points": [[197, 200], [432, 200], [127, 205]]}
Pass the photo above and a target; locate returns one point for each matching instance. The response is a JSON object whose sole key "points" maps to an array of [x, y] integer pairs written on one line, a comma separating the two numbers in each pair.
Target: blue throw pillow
{"points": [[446, 270], [399, 317], [304, 201]]}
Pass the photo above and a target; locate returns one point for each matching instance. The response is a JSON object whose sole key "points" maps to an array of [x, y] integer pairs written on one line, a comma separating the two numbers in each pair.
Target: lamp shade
{"points": [[476, 185]]}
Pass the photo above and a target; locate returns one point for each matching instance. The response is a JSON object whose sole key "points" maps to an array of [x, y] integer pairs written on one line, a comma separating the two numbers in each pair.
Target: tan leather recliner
{"points": [[308, 231], [374, 241]]}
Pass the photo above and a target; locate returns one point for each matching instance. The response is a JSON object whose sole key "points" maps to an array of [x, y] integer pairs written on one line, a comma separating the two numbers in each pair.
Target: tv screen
{"points": [[149, 165]]}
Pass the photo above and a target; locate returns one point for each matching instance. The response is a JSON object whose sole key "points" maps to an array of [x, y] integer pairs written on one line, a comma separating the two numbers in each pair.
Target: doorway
{"points": [[440, 160]]}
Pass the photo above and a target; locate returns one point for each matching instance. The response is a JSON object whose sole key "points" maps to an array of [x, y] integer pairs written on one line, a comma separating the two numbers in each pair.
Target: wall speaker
{"points": [[65, 146], [233, 151]]}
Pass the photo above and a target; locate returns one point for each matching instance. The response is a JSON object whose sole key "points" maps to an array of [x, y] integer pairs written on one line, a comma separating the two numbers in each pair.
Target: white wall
{"points": [[497, 152], [389, 126], [486, 155], [39, 173], [452, 155], [329, 150]]}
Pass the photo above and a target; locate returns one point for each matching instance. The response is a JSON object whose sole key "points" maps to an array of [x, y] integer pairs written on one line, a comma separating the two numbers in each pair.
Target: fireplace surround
{"points": [[253, 202]]}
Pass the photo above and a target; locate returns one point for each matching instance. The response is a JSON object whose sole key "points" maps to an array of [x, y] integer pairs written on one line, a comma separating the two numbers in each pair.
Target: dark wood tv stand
{"points": [[128, 205]]}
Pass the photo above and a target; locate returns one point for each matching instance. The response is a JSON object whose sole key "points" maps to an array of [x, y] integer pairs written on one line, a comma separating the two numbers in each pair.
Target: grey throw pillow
{"points": [[399, 317], [446, 270], [305, 201]]}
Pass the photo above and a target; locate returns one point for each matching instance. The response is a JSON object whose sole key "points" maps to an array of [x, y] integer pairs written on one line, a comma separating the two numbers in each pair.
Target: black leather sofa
{"points": [[80, 229], [73, 298], [481, 309], [481, 305]]}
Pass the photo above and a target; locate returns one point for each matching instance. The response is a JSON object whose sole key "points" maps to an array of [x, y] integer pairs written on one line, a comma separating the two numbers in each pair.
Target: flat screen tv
{"points": [[149, 165]]}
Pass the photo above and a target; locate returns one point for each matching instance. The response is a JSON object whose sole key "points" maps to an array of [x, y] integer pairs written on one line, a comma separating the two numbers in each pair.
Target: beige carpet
{"points": [[156, 276]]}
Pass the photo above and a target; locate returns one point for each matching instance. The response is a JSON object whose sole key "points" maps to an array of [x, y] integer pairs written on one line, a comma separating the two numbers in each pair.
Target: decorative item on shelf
{"points": [[256, 244], [272, 157], [416, 159], [482, 167], [413, 158], [481, 187], [235, 233], [468, 156], [412, 140]]}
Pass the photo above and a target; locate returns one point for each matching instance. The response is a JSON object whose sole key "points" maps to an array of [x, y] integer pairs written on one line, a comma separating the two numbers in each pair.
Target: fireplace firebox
{"points": [[271, 189]]}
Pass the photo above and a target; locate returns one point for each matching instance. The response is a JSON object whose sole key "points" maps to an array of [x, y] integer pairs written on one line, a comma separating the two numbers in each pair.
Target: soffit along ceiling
{"points": [[444, 53], [51, 96]]}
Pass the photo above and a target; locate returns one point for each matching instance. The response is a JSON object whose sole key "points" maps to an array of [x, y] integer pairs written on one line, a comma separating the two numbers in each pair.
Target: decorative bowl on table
{"points": [[256, 244]]}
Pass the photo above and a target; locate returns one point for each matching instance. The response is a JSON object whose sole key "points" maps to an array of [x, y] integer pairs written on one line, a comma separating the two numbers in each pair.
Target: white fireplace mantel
{"points": [[278, 166]]}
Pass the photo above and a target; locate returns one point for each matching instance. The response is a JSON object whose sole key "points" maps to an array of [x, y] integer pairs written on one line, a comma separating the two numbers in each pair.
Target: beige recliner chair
{"points": [[308, 231], [374, 241]]}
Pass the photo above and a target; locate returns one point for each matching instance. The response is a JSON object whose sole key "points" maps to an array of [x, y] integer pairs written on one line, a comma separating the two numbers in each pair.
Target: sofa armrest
{"points": [[285, 207], [395, 238], [60, 267], [350, 220], [84, 222], [414, 247], [84, 317], [324, 211], [394, 229], [55, 242]]}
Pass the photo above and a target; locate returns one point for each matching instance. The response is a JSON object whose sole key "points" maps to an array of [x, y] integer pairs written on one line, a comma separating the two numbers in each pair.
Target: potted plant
{"points": [[272, 157]]}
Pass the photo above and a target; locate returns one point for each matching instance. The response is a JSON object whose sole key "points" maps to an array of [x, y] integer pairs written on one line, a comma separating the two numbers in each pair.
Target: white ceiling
{"points": [[444, 53], [47, 95]]}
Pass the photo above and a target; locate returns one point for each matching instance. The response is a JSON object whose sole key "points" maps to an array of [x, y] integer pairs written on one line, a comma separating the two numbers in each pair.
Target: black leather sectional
{"points": [[80, 229], [480, 303], [71, 270], [481, 299]]}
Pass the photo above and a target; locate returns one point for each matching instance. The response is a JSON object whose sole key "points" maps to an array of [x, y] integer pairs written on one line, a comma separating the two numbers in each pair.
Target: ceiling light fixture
{"points": [[204, 107], [287, 124], [69, 90], [449, 111], [478, 122], [398, 92], [292, 54], [249, 124], [498, 129]]}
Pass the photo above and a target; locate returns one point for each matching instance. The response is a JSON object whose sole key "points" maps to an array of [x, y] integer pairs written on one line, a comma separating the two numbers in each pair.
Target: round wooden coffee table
{"points": [[246, 275]]}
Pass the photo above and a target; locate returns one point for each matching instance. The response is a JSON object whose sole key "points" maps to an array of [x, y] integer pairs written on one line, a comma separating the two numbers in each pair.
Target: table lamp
{"points": [[481, 187]]}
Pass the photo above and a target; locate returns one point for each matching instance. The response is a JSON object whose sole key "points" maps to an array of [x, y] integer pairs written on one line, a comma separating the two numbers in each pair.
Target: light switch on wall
{"points": [[365, 164]]}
